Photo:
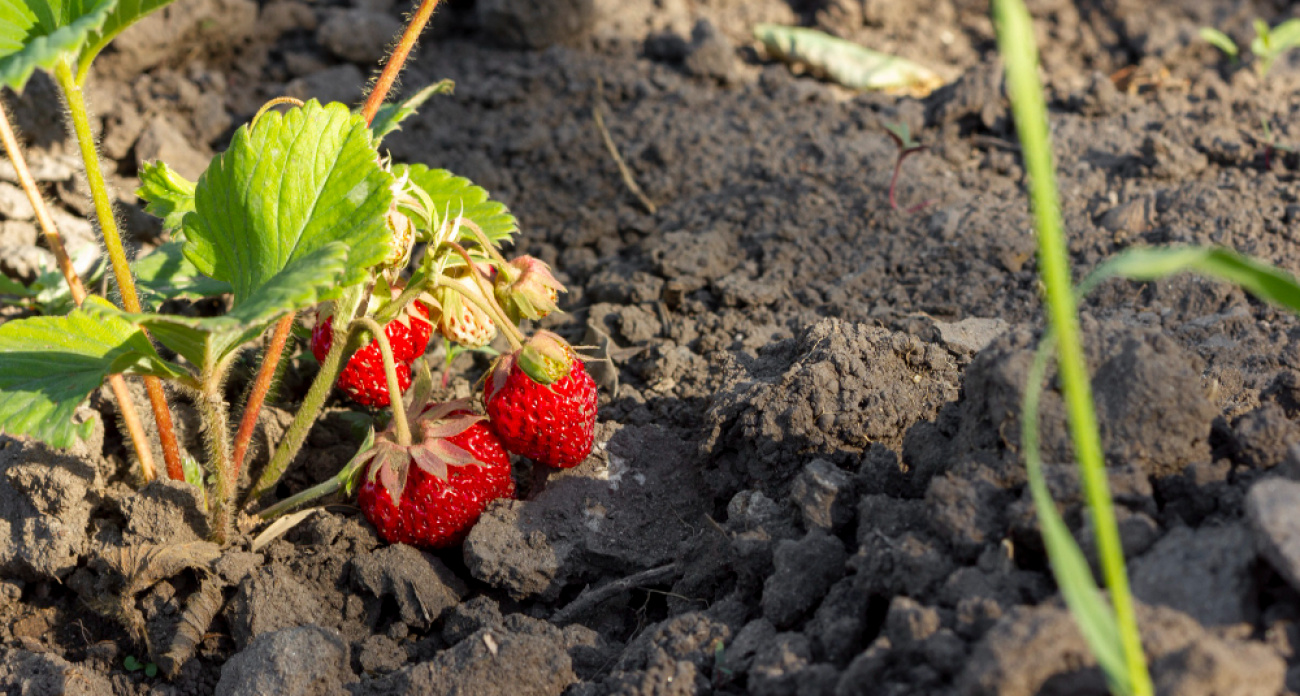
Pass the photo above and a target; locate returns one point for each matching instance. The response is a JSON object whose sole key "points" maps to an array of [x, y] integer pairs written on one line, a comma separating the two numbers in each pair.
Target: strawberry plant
{"points": [[303, 214]]}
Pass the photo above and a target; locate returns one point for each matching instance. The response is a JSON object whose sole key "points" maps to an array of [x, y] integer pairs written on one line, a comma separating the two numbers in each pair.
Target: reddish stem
{"points": [[130, 417], [893, 181], [275, 349], [397, 59], [256, 396]]}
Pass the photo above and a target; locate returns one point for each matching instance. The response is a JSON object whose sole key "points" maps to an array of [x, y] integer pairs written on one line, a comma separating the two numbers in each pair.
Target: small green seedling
{"points": [[1271, 145], [907, 146], [131, 664], [1268, 45]]}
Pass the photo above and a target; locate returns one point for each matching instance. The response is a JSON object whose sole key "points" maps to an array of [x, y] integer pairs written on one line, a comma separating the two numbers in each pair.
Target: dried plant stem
{"points": [[397, 59], [628, 179], [257, 395], [125, 406], [117, 254]]}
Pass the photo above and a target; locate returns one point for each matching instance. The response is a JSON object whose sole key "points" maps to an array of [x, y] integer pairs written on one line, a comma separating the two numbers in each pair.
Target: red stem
{"points": [[261, 386], [397, 59], [275, 349]]}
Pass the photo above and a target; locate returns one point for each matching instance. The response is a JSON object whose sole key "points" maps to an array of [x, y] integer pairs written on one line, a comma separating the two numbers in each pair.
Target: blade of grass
{"points": [[1069, 567], [1017, 46]]}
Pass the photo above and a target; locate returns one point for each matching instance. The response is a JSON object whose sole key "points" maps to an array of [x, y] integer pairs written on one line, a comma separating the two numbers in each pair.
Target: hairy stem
{"points": [[76, 101], [212, 409], [257, 395], [344, 343], [125, 406], [397, 59], [390, 373]]}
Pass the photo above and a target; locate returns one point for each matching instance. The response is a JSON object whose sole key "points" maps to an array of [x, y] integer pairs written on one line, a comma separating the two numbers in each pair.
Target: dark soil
{"points": [[807, 477]]}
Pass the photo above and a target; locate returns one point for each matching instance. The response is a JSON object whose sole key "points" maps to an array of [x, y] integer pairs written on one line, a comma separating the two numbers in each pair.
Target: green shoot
{"points": [[1221, 41], [1270, 44], [1017, 46]]}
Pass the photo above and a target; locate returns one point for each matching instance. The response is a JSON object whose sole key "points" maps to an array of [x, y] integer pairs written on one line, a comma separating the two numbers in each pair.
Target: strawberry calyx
{"points": [[390, 461], [545, 358], [526, 288]]}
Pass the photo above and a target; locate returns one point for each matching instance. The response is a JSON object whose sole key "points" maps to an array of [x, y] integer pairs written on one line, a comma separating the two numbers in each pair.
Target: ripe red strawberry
{"points": [[445, 481], [542, 402], [363, 377]]}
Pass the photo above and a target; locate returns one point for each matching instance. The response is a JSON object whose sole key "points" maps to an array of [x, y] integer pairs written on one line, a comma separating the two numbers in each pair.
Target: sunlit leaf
{"points": [[455, 195], [39, 33], [167, 194], [300, 181], [49, 365]]}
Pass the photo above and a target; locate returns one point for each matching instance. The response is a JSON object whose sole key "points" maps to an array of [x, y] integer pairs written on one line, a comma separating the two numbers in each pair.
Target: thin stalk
{"points": [[483, 241], [1015, 42], [80, 117], [329, 371], [125, 406], [489, 308], [345, 343], [257, 395], [212, 409], [488, 301], [408, 294], [324, 488], [397, 59], [390, 373]]}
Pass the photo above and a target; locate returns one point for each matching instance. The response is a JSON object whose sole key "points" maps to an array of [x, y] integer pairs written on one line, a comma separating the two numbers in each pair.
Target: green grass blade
{"points": [[1069, 567], [1260, 279], [1017, 46]]}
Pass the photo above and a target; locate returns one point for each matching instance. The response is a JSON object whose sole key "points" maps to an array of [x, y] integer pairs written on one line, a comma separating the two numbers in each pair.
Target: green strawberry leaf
{"points": [[9, 286], [126, 13], [455, 195], [390, 116], [168, 194], [204, 341], [287, 188], [39, 33], [49, 365], [165, 274]]}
